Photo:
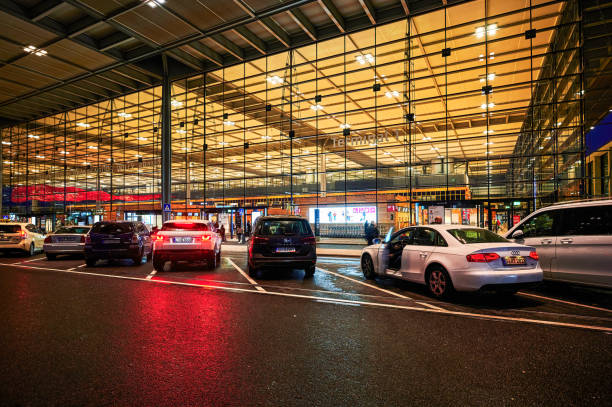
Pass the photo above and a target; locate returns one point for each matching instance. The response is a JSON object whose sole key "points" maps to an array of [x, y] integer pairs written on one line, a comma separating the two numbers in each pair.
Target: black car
{"points": [[117, 240], [282, 241]]}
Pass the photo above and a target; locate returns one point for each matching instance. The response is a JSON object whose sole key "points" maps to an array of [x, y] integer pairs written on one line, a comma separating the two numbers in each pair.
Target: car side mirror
{"points": [[376, 241], [518, 234]]}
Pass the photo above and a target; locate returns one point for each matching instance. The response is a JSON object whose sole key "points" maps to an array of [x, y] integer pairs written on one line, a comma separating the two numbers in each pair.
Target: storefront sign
{"points": [[341, 214], [436, 214]]}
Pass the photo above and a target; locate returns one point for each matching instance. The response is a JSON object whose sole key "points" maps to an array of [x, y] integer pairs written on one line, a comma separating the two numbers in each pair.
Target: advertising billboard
{"points": [[343, 214]]}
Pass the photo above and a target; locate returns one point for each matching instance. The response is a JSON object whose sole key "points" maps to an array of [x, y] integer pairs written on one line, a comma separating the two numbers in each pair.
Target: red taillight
{"points": [[206, 238], [259, 239], [482, 257], [159, 238], [24, 234], [48, 239], [534, 255], [309, 240], [83, 239]]}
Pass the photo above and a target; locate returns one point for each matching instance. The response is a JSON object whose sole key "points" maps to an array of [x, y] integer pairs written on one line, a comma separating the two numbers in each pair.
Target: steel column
{"points": [[166, 141]]}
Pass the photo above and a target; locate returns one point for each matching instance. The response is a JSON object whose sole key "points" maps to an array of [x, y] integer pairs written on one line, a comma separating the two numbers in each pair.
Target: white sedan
{"points": [[190, 241], [452, 257]]}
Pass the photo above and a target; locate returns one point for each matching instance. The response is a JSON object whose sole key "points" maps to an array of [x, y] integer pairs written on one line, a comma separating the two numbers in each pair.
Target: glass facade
{"points": [[472, 113]]}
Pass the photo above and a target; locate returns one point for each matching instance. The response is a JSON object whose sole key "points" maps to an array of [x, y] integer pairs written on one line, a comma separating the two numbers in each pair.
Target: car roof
{"points": [[577, 204], [438, 226], [203, 221], [281, 217], [15, 223]]}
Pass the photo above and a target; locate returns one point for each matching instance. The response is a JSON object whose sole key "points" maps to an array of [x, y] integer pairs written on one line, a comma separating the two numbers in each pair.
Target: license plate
{"points": [[285, 250], [64, 239], [111, 241], [514, 260], [183, 240]]}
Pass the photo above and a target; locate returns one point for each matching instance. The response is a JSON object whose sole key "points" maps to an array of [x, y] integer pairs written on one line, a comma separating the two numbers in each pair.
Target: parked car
{"points": [[22, 237], [66, 240], [282, 241], [452, 257], [117, 240], [573, 239], [187, 240]]}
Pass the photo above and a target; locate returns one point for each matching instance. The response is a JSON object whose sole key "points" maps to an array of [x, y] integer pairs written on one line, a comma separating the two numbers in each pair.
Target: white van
{"points": [[573, 241]]}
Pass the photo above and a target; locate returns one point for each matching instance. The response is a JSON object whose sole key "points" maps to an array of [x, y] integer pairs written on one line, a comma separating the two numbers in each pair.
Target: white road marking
{"points": [[245, 275], [71, 269], [380, 289], [334, 300], [151, 274], [566, 302], [27, 261], [82, 265]]}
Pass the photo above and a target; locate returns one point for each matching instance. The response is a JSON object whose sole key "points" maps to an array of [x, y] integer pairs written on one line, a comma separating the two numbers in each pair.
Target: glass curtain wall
{"points": [[470, 114]]}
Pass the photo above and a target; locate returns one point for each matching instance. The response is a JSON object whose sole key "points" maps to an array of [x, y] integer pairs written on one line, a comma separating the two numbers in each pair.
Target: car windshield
{"points": [[171, 226], [476, 235], [112, 228], [280, 227], [10, 228], [78, 230]]}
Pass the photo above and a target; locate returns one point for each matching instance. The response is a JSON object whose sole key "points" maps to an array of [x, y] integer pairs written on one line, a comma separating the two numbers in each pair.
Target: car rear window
{"points": [[280, 227], [172, 226], [112, 228], [10, 228], [476, 235], [79, 230]]}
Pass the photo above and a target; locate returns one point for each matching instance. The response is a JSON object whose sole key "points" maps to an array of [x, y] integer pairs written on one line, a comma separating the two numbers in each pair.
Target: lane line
{"points": [[425, 304], [245, 275], [71, 269], [27, 261], [151, 274], [335, 300], [82, 265], [566, 302]]}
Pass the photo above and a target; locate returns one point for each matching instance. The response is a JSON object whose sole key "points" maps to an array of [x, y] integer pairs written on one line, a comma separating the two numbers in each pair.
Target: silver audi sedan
{"points": [[66, 240]]}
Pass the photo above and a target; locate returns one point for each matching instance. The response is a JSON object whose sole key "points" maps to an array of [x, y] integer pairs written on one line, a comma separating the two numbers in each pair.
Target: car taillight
{"points": [[259, 239], [83, 239], [24, 234], [48, 239], [534, 255], [206, 238], [309, 240], [87, 239], [159, 238], [482, 257]]}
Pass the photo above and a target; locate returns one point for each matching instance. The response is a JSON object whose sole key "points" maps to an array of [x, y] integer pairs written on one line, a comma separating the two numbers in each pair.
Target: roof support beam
{"points": [[253, 40], [43, 9], [333, 14], [304, 23], [274, 29], [369, 10], [207, 53], [229, 46]]}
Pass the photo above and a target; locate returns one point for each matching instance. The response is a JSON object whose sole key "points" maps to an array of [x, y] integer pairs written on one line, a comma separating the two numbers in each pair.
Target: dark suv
{"points": [[117, 240], [282, 241]]}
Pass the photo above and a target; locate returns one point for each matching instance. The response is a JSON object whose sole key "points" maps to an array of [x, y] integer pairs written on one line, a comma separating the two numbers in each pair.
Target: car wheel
{"points": [[158, 264], [367, 266], [219, 256], [149, 256], [309, 271], [439, 283], [212, 261], [31, 250], [90, 262], [50, 256], [138, 259], [252, 270]]}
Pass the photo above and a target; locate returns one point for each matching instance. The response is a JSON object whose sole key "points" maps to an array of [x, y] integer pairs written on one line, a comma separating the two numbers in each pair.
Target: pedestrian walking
{"points": [[239, 233]]}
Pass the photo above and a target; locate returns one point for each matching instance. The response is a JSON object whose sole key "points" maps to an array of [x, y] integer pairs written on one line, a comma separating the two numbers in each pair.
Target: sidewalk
{"points": [[335, 247]]}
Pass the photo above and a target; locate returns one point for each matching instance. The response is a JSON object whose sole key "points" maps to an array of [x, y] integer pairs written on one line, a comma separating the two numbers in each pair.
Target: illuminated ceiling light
{"points": [[266, 137], [176, 103], [86, 163], [489, 143], [85, 125], [274, 80], [559, 124], [398, 160], [345, 126], [154, 3], [491, 30], [186, 149], [490, 76], [426, 138], [228, 122], [541, 148], [142, 138], [137, 155], [40, 156], [8, 162], [488, 132], [124, 115], [547, 138], [392, 94], [316, 107], [223, 143], [64, 152], [387, 153], [481, 57], [92, 147], [490, 105], [268, 156], [33, 136], [234, 160], [434, 149], [592, 127], [36, 51], [488, 152], [181, 131], [362, 59], [491, 55], [6, 143], [306, 152]]}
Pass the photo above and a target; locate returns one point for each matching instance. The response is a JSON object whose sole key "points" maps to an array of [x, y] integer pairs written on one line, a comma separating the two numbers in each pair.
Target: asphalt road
{"points": [[118, 334]]}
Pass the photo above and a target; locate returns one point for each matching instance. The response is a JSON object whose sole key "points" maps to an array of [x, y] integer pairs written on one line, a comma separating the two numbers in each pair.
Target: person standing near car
{"points": [[372, 234], [222, 233], [239, 233]]}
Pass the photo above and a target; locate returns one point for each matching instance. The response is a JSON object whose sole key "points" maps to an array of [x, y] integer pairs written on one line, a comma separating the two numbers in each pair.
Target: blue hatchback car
{"points": [[118, 240]]}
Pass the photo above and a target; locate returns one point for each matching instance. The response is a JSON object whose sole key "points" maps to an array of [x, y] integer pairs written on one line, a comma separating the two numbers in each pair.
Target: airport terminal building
{"points": [[391, 111]]}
